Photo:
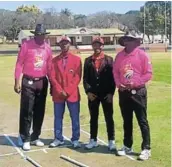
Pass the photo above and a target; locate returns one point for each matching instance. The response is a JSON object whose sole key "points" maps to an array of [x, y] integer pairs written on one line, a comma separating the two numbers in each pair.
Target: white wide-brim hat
{"points": [[129, 35]]}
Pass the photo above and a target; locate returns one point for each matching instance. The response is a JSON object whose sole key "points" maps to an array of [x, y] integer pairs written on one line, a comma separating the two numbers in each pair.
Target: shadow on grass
{"points": [[14, 140], [102, 149]]}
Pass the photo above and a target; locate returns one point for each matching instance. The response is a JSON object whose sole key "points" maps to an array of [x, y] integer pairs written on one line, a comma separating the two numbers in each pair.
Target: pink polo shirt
{"points": [[135, 67], [33, 60]]}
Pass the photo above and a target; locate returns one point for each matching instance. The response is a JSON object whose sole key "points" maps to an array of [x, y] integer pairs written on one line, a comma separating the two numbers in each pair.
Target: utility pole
{"points": [[165, 26], [144, 27]]}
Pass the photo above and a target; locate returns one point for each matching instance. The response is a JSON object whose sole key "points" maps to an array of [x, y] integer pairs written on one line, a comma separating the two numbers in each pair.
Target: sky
{"points": [[78, 7]]}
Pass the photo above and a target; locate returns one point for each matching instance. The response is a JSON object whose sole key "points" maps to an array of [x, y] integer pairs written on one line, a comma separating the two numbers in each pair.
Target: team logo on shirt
{"points": [[39, 61], [71, 71], [128, 71]]}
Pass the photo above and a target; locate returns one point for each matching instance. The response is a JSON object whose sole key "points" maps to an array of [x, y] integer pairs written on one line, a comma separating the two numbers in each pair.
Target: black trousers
{"points": [[138, 103], [32, 107], [94, 113]]}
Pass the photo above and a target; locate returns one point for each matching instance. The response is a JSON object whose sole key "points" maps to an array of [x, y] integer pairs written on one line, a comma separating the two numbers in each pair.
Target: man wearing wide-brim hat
{"points": [[132, 69], [132, 37], [34, 62], [40, 30]]}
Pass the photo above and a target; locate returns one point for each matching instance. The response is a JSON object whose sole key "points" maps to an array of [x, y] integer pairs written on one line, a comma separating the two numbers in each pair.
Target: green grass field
{"points": [[159, 107]]}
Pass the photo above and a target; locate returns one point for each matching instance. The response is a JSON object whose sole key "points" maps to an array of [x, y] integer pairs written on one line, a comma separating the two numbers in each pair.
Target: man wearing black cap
{"points": [[34, 62], [132, 69], [100, 87]]}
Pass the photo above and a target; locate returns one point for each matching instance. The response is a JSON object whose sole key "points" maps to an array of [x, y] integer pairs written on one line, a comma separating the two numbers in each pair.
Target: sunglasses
{"points": [[40, 34], [129, 39]]}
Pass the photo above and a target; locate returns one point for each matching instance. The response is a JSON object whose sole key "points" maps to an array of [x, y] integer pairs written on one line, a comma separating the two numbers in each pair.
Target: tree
{"points": [[129, 21], [25, 17], [33, 14], [80, 20], [12, 31], [136, 12], [154, 18], [66, 12], [9, 26], [66, 19], [51, 18], [113, 19], [25, 9], [102, 19], [168, 20], [145, 23], [2, 19]]}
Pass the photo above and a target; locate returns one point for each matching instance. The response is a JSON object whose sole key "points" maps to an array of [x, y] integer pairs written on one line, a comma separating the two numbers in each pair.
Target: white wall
{"points": [[78, 38]]}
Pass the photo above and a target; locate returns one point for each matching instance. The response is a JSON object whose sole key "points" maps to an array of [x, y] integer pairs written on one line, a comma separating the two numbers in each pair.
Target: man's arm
{"points": [[49, 63], [116, 74], [19, 67], [53, 79], [112, 85], [86, 84], [147, 71]]}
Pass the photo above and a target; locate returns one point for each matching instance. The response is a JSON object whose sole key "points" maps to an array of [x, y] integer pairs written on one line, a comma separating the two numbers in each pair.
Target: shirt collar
{"points": [[62, 56], [39, 46], [132, 53], [100, 56]]}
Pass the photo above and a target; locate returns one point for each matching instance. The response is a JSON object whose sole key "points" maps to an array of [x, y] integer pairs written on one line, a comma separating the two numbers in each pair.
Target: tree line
{"points": [[155, 15]]}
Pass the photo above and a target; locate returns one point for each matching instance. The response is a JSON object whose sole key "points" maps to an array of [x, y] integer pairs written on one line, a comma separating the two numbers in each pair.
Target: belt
{"points": [[134, 90], [139, 87], [33, 78]]}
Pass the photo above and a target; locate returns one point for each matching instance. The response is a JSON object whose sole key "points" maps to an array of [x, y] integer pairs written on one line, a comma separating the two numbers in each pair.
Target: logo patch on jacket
{"points": [[71, 71]]}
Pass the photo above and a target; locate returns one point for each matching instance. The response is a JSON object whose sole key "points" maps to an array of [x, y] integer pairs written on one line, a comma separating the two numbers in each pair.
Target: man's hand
{"points": [[130, 85], [91, 96], [64, 94], [122, 87], [51, 89], [17, 88], [109, 98]]}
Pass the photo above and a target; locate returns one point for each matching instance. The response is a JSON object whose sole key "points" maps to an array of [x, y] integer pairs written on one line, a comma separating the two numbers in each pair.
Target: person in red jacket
{"points": [[65, 77]]}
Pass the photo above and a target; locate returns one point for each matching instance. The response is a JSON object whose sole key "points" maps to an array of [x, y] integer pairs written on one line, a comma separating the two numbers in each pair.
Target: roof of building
{"points": [[109, 31], [79, 31]]}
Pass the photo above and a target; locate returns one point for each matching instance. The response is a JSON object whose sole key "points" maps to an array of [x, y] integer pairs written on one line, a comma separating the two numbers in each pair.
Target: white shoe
{"points": [[91, 144], [145, 155], [124, 150], [111, 145], [76, 144], [38, 143], [56, 143], [20, 142], [26, 146]]}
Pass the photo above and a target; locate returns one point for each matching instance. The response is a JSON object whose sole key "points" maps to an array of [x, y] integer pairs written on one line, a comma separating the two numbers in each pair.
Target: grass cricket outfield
{"points": [[159, 116]]}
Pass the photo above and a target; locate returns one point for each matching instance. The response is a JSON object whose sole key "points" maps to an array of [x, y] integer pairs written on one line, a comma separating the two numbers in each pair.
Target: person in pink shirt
{"points": [[132, 69], [65, 77], [34, 62]]}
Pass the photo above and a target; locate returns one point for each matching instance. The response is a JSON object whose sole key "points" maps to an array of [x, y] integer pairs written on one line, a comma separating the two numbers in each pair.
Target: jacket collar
{"points": [[104, 62]]}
